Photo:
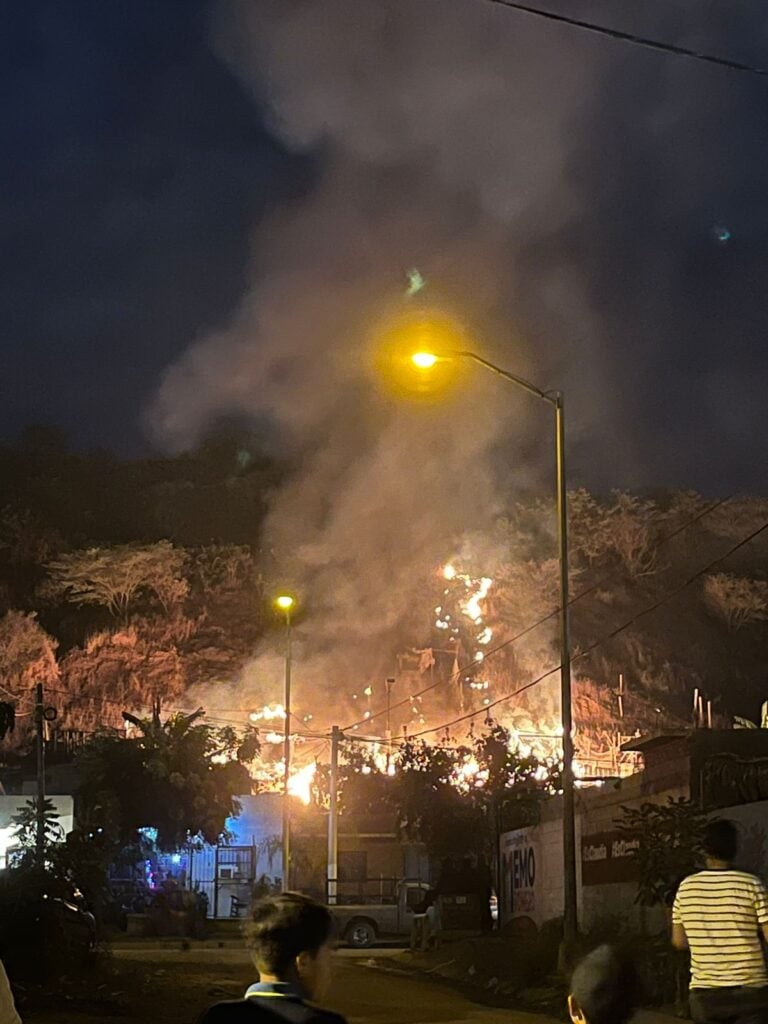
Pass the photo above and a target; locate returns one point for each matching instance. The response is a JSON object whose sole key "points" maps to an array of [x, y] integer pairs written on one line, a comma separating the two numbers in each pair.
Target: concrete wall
{"points": [[597, 813], [259, 822], [597, 809], [753, 823]]}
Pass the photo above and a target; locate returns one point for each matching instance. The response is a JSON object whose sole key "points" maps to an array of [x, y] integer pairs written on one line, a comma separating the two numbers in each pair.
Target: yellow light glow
{"points": [[300, 783], [285, 602], [424, 360], [414, 355]]}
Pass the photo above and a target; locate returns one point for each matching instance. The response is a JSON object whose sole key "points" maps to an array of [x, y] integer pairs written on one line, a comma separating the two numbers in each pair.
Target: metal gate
{"points": [[225, 874]]}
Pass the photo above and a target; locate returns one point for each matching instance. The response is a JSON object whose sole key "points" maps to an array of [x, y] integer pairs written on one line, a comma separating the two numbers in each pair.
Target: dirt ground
{"points": [[162, 992], [173, 986]]}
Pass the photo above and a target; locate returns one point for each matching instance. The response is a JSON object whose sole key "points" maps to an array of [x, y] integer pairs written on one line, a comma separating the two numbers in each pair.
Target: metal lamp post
{"points": [[285, 603], [426, 361]]}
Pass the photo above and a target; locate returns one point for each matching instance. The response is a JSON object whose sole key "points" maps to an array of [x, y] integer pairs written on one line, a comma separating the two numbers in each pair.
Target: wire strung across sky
{"points": [[632, 38], [604, 639], [540, 622], [211, 714]]}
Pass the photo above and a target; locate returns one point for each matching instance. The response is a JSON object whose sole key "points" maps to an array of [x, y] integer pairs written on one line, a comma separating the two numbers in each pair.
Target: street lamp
{"points": [[285, 604], [424, 361]]}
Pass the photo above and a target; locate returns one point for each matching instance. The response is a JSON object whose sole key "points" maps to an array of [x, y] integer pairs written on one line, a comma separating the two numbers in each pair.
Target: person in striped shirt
{"points": [[721, 915]]}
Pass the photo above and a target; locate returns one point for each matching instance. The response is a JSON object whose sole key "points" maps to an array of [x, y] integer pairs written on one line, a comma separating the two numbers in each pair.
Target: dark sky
{"points": [[135, 168]]}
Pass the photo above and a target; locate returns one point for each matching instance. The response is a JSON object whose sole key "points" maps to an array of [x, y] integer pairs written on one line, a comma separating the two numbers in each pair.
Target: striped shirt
{"points": [[721, 911]]}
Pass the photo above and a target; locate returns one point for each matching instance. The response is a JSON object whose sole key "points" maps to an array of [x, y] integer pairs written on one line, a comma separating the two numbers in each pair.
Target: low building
{"points": [[721, 770], [227, 873]]}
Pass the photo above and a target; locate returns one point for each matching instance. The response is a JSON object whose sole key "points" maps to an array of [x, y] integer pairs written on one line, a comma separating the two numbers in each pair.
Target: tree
{"points": [[177, 776], [736, 600], [26, 545], [114, 578], [25, 823], [669, 836], [224, 568], [7, 718], [630, 527], [27, 657], [470, 793], [129, 667], [587, 526]]}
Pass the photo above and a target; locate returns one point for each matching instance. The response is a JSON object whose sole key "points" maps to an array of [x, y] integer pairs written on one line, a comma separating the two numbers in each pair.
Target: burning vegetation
{"points": [[451, 645]]}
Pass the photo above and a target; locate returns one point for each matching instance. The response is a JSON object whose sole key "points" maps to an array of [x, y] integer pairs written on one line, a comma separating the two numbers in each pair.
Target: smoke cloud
{"points": [[443, 141]]}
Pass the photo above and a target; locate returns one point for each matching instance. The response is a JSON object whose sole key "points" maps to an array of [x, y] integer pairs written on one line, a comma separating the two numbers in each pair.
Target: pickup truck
{"points": [[361, 924]]}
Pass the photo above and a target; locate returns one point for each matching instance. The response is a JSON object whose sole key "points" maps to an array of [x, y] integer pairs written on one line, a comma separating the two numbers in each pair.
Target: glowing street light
{"points": [[424, 360], [285, 604]]}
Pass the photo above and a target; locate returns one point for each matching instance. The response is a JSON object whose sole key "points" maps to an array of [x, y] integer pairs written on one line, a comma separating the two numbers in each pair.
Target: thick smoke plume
{"points": [[443, 142]]}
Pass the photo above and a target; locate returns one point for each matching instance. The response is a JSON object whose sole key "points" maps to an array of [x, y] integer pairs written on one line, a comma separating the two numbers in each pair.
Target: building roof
{"points": [[642, 744]]}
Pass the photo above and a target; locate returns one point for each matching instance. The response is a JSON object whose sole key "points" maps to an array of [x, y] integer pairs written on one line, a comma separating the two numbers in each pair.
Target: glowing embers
{"points": [[476, 590], [467, 774]]}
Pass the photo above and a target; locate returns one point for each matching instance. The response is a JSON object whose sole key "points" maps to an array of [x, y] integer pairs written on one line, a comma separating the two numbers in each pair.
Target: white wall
{"points": [[14, 804]]}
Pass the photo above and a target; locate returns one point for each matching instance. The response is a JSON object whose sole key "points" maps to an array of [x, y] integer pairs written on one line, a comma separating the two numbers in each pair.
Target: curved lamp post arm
{"points": [[555, 400], [549, 397]]}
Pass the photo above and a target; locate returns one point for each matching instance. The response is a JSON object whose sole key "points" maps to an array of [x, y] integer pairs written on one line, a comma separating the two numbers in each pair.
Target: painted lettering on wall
{"points": [[519, 859], [608, 857]]}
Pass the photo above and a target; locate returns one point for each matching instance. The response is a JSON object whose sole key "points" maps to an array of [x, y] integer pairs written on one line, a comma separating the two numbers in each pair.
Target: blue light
{"points": [[722, 233]]}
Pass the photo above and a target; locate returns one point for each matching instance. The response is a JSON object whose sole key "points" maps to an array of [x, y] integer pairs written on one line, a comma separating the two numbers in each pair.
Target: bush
{"points": [[43, 933], [180, 912]]}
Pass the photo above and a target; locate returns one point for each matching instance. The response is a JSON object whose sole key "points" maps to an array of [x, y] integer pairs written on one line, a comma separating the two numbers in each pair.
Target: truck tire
{"points": [[360, 933]]}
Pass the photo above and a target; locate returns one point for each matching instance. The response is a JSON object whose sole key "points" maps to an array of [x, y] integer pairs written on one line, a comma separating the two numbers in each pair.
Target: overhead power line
{"points": [[632, 38], [539, 622], [604, 639]]}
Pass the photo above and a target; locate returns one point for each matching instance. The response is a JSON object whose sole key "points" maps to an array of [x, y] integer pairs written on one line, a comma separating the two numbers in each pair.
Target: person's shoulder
{"points": [[231, 1011], [253, 1010], [322, 1016], [691, 880], [748, 878]]}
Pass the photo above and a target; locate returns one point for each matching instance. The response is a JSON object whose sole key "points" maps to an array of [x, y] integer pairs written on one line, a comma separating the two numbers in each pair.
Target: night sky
{"points": [[136, 167]]}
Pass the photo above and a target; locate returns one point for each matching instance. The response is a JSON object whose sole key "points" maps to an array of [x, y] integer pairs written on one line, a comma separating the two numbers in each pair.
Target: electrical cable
{"points": [[609, 636], [632, 38], [546, 618]]}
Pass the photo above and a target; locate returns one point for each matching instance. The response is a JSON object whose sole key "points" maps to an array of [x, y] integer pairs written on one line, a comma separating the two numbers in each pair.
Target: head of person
{"points": [[604, 988], [721, 841], [290, 937]]}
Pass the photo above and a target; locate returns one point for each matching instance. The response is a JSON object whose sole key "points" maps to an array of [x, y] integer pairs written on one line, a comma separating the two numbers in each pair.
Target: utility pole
{"points": [[40, 809], [333, 819], [570, 901], [389, 684], [287, 757]]}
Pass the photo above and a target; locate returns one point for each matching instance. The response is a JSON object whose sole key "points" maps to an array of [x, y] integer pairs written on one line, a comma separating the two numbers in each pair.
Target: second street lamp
{"points": [[285, 604], [424, 361]]}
